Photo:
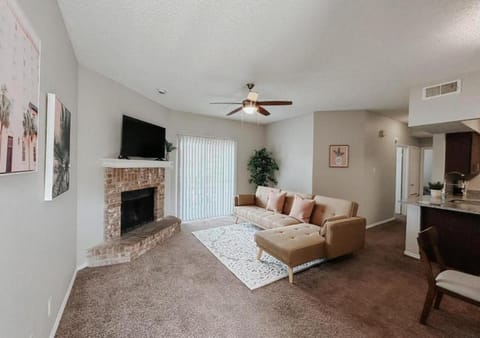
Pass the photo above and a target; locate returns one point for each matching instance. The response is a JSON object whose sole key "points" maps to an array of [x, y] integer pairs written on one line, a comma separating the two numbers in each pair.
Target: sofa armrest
{"points": [[344, 236], [244, 199]]}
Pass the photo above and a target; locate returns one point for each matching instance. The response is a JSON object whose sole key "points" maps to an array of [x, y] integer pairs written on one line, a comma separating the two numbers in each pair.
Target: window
{"points": [[206, 177]]}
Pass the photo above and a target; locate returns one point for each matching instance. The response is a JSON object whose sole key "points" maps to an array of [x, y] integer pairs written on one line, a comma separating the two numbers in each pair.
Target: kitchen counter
{"points": [[454, 203], [457, 221]]}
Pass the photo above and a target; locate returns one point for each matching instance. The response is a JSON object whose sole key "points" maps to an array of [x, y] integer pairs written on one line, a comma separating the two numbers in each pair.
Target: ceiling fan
{"points": [[251, 105]]}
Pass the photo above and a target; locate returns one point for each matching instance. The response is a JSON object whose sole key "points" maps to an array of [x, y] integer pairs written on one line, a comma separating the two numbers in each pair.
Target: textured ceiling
{"points": [[323, 55]]}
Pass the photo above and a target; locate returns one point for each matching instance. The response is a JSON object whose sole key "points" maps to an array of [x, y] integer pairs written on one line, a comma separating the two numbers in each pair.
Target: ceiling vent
{"points": [[442, 89]]}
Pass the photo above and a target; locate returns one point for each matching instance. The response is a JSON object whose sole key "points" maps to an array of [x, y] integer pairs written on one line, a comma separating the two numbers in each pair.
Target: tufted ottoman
{"points": [[293, 245]]}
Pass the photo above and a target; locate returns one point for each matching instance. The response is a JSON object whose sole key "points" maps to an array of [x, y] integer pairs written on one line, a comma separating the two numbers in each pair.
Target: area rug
{"points": [[235, 247]]}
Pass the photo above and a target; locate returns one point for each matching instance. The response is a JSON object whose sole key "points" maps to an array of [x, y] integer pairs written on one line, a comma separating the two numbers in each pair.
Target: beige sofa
{"points": [[334, 229]]}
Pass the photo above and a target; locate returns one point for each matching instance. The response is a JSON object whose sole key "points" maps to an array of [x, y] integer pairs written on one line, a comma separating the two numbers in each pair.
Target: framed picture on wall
{"points": [[338, 156], [57, 155], [19, 91]]}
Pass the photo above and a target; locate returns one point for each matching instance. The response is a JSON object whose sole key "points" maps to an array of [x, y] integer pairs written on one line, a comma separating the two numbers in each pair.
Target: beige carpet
{"points": [[180, 289]]}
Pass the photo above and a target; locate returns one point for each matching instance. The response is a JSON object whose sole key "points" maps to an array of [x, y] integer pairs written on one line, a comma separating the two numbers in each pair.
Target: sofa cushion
{"points": [[243, 211], [290, 196], [277, 220], [256, 215], [302, 209], [261, 195], [294, 244], [326, 207], [275, 201]]}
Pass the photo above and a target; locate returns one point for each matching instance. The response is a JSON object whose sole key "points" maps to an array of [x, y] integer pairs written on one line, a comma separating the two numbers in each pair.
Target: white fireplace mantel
{"points": [[122, 163]]}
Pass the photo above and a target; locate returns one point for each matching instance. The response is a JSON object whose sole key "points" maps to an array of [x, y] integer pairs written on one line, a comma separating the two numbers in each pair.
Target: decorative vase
{"points": [[436, 194], [167, 156]]}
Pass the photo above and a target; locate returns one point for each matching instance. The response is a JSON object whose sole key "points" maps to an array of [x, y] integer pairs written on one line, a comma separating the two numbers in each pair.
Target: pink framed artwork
{"points": [[338, 156], [19, 91]]}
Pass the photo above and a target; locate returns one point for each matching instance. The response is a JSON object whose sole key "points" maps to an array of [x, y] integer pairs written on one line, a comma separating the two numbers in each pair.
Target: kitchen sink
{"points": [[467, 202]]}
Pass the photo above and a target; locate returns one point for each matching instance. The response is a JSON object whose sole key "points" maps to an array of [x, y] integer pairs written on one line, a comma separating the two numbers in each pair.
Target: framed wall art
{"points": [[338, 156], [19, 91], [57, 155]]}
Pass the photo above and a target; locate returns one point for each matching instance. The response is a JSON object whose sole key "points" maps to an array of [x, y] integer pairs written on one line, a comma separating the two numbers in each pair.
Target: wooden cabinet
{"points": [[462, 153]]}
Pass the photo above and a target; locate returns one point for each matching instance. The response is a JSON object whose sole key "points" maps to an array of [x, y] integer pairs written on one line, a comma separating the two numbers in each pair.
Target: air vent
{"points": [[442, 89]]}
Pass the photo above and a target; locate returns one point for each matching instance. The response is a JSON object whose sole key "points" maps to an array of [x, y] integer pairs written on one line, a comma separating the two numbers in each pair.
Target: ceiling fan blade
{"points": [[234, 111], [225, 102], [263, 111], [274, 103]]}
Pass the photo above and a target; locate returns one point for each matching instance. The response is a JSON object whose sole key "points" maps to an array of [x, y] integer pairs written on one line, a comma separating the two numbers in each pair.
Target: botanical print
{"points": [[57, 169], [338, 156], [19, 90]]}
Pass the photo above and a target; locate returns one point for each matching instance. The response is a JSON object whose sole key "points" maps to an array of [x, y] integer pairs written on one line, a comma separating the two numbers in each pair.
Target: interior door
{"points": [[413, 172]]}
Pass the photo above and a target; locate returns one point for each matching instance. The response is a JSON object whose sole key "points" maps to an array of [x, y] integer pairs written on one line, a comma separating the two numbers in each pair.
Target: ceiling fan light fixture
{"points": [[250, 108]]}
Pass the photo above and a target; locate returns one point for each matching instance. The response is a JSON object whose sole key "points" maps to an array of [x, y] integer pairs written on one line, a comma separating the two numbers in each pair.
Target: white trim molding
{"points": [[380, 223], [411, 254], [122, 163], [64, 303]]}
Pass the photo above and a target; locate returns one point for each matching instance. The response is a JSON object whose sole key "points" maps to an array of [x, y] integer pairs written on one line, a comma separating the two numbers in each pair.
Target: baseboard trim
{"points": [[380, 223], [64, 302], [411, 254], [82, 266]]}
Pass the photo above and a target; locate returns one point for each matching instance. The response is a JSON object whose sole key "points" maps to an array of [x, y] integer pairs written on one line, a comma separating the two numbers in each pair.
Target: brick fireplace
{"points": [[118, 180], [132, 180]]}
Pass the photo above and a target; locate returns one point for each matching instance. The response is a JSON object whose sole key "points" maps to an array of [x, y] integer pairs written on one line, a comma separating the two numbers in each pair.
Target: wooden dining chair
{"points": [[450, 282]]}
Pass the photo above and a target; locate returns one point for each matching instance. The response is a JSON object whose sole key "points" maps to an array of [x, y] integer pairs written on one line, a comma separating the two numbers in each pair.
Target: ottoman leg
{"points": [[259, 253], [290, 275]]}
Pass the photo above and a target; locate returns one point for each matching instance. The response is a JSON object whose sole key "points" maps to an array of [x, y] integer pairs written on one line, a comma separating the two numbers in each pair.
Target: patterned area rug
{"points": [[235, 247]]}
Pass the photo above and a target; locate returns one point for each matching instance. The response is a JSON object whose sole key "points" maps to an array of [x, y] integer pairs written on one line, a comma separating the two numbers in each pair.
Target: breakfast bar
{"points": [[458, 223]]}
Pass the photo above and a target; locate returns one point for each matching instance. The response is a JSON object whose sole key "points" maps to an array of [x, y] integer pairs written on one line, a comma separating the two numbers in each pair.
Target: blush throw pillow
{"points": [[302, 209], [276, 200]]}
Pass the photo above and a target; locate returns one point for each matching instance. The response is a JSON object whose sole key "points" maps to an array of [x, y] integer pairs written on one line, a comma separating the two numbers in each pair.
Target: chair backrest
{"points": [[429, 253]]}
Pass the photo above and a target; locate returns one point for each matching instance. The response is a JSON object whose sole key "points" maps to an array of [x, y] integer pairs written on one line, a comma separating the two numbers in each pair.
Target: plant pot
{"points": [[436, 194]]}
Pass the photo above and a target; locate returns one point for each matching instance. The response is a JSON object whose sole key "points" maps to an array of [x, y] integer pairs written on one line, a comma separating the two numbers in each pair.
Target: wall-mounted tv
{"points": [[142, 139]]}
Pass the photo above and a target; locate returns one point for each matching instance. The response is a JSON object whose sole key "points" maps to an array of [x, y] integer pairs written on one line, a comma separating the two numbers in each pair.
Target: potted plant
{"points": [[436, 189], [169, 147], [262, 168]]}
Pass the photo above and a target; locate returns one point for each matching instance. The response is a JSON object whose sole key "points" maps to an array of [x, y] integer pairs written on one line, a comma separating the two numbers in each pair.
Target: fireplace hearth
{"points": [[137, 209], [134, 221]]}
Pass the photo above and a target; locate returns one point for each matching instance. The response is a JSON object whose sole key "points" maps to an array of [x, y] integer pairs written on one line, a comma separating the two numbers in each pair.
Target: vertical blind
{"points": [[206, 177]]}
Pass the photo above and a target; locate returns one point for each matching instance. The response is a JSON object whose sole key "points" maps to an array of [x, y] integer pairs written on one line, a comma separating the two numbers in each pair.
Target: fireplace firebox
{"points": [[137, 209]]}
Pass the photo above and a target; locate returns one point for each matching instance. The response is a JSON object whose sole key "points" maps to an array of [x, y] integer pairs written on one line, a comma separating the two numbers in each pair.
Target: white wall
{"points": [[427, 166], [370, 177], [291, 142], [339, 127], [449, 108], [438, 157], [38, 242], [102, 103]]}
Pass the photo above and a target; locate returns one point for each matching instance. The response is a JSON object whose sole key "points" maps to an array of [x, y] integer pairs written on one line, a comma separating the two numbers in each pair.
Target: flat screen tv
{"points": [[142, 139]]}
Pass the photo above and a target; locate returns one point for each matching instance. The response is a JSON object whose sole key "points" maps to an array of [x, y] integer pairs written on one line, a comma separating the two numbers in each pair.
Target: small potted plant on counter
{"points": [[169, 147], [436, 189]]}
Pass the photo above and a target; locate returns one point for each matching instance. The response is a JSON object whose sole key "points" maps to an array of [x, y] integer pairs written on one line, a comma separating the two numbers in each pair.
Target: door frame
{"points": [[403, 183]]}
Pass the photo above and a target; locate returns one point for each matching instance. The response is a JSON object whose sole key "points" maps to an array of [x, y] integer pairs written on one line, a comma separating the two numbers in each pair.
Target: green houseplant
{"points": [[262, 167], [435, 189], [169, 147]]}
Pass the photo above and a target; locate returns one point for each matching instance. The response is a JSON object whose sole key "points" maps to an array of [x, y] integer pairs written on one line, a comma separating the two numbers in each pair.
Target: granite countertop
{"points": [[452, 203]]}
